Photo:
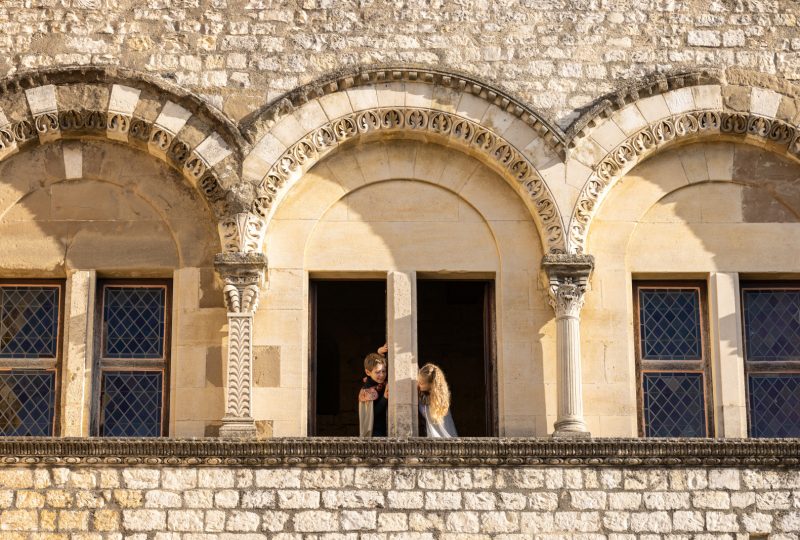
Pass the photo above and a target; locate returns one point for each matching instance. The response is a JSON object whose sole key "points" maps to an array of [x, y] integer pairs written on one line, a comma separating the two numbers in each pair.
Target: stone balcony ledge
{"points": [[342, 452]]}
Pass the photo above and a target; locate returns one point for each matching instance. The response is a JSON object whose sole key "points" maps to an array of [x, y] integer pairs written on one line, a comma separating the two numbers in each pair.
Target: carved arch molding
{"points": [[211, 151]]}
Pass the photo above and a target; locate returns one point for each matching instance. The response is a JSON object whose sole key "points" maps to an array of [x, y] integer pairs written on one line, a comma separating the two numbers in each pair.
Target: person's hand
{"points": [[383, 349]]}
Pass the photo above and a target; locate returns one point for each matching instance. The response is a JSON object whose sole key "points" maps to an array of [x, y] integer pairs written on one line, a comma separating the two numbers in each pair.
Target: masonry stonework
{"points": [[379, 503]]}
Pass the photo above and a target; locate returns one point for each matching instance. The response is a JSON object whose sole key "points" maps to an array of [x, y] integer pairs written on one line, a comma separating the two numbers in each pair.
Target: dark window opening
{"points": [[348, 321], [454, 331]]}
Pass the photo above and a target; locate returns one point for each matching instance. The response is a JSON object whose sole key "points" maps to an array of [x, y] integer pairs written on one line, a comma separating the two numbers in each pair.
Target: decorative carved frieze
{"points": [[666, 132], [455, 129], [242, 232], [419, 452]]}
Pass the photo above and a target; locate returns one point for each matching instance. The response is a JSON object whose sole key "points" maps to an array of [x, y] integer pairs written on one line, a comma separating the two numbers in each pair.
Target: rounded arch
{"points": [[404, 103], [735, 107], [129, 108]]}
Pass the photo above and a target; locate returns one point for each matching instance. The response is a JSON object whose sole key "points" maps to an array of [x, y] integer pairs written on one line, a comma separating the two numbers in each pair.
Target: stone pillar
{"points": [[243, 274], [568, 276], [78, 353], [401, 310], [728, 355]]}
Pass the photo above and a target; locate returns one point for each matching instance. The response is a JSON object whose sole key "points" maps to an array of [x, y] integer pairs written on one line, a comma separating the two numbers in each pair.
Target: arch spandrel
{"points": [[475, 121], [608, 147]]}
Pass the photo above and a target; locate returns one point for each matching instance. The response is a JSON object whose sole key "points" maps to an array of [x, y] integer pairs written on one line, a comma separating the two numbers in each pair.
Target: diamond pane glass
{"points": [[674, 405], [669, 323], [774, 405], [131, 404], [772, 325], [28, 322], [27, 403], [134, 322]]}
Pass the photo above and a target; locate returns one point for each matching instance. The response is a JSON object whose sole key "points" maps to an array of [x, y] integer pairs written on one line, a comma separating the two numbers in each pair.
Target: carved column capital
{"points": [[568, 278], [243, 274]]}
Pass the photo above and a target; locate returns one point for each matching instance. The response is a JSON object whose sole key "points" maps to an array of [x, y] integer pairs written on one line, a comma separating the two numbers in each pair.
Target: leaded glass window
{"points": [[30, 325], [133, 360], [771, 313], [671, 359]]}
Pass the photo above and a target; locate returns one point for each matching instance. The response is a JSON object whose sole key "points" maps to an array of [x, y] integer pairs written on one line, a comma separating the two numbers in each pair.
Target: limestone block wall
{"points": [[381, 503], [557, 55]]}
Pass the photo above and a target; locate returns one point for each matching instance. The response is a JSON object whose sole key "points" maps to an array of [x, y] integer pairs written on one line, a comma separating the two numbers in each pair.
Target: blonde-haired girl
{"points": [[434, 402]]}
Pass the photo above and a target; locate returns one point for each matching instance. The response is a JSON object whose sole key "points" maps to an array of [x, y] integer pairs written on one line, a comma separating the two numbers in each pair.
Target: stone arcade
{"points": [[181, 180]]}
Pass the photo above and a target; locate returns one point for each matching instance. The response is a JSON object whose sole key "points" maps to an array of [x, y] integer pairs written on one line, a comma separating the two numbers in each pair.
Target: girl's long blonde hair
{"points": [[438, 393]]}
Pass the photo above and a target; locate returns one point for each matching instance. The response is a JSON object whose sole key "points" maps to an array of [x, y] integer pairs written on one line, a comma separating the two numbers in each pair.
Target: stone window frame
{"points": [[101, 364], [654, 366], [788, 367], [55, 364]]}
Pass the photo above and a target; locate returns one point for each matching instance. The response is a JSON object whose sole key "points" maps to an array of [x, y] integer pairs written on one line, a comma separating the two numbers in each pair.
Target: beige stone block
{"points": [[311, 116], [607, 241], [418, 95], [345, 168], [379, 246], [608, 135], [402, 200], [764, 102], [286, 289], [498, 120], [213, 149], [653, 108], [402, 154], [391, 94], [73, 160], [362, 97], [335, 105], [457, 171], [311, 196], [266, 367], [78, 358], [719, 160], [445, 99], [518, 244], [694, 164], [123, 99], [285, 242], [201, 327], [588, 152], [472, 107], [288, 130], [493, 197], [373, 160], [42, 99], [199, 404], [680, 101], [280, 326], [264, 154], [429, 163], [277, 404], [172, 117], [520, 134], [629, 119], [190, 367], [540, 154], [708, 96], [721, 202], [190, 428]]}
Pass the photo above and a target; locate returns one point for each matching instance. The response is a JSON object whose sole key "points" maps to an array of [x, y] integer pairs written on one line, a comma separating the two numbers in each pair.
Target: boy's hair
{"points": [[372, 360]]}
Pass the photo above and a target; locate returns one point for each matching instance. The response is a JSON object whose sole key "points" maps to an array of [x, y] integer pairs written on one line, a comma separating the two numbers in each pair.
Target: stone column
{"points": [[568, 276], [728, 354], [243, 274], [401, 310], [78, 353]]}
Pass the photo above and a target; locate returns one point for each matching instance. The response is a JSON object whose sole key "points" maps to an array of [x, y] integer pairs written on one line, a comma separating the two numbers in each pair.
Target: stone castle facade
{"points": [[180, 179]]}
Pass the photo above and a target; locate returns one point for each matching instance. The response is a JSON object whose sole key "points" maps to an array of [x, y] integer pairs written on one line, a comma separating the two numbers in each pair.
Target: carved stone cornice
{"points": [[421, 452], [243, 274]]}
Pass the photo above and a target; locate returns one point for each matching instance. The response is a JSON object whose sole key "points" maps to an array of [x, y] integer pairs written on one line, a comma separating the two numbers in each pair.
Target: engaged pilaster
{"points": [[568, 277], [243, 274]]}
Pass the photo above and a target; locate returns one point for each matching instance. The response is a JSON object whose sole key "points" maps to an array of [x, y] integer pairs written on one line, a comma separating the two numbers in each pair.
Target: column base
{"points": [[234, 427], [572, 428]]}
